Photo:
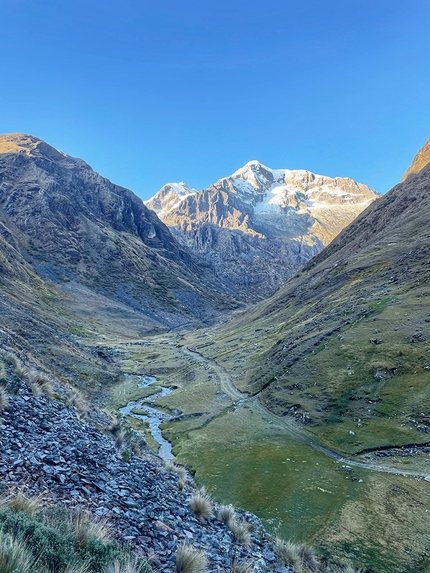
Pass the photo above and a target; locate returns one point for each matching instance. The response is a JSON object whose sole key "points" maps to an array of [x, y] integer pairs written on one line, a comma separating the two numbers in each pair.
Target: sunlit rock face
{"points": [[258, 226]]}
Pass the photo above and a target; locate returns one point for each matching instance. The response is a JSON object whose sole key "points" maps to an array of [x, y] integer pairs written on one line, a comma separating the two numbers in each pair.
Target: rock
{"points": [[79, 466], [376, 341]]}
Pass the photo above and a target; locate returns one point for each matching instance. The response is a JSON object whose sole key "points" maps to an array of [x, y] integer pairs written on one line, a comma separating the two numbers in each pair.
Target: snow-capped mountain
{"points": [[169, 197], [258, 226]]}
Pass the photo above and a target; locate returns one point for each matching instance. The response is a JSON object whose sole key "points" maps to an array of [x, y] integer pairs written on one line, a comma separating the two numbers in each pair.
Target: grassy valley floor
{"points": [[248, 456]]}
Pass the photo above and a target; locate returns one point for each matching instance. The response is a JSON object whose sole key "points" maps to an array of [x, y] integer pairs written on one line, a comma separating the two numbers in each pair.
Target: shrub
{"points": [[226, 514], [201, 504], [51, 549], [241, 532], [14, 556], [190, 560], [126, 456], [99, 555], [69, 545], [4, 399]]}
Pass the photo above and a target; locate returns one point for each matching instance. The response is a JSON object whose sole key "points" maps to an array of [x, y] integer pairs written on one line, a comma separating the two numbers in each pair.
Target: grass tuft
{"points": [[180, 471], [3, 371], [14, 556], [129, 565], [201, 504], [76, 399], [4, 399], [241, 532], [226, 514], [241, 566], [288, 553], [190, 560], [20, 502], [86, 527], [39, 383]]}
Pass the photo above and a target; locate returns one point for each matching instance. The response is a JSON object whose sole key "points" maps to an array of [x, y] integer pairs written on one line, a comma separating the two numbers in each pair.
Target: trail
{"points": [[237, 396]]}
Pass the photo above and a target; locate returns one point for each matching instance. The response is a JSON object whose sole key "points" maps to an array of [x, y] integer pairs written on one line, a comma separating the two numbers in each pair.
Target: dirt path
{"points": [[299, 433]]}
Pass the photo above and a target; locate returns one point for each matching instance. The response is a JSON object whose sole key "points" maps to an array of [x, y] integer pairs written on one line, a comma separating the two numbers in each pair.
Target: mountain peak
{"points": [[29, 145], [169, 197], [421, 159]]}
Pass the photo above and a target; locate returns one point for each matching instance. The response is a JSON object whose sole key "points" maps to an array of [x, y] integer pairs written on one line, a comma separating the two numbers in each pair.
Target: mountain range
{"points": [[97, 289], [260, 225]]}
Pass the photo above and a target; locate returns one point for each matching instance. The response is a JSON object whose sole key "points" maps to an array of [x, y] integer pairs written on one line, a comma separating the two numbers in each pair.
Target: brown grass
{"points": [[201, 504], [241, 532], [86, 527], [20, 502], [190, 560], [226, 514], [4, 399]]}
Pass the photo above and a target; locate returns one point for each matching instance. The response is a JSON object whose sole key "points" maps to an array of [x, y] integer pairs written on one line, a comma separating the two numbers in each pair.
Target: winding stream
{"points": [[153, 416]]}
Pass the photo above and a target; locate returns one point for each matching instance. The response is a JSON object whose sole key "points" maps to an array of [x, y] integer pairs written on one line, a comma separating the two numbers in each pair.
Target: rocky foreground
{"points": [[46, 449]]}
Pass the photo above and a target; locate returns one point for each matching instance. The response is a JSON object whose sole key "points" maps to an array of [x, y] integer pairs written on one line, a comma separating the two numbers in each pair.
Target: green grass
{"points": [[52, 540]]}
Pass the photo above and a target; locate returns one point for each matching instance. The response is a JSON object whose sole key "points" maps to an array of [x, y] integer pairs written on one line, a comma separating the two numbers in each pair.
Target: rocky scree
{"points": [[46, 450]]}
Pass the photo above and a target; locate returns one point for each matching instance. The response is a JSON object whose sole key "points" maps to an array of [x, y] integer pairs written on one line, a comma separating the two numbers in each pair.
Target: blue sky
{"points": [[149, 92]]}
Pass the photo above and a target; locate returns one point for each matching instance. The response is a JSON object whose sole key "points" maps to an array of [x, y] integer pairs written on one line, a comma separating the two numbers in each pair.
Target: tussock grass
{"points": [[201, 504], [241, 532], [3, 372], [226, 514], [288, 553], [39, 383], [129, 565], [12, 359], [76, 399], [20, 370], [180, 471], [299, 556], [308, 557], [242, 566], [20, 502], [4, 399], [190, 560], [86, 527], [181, 484], [14, 556]]}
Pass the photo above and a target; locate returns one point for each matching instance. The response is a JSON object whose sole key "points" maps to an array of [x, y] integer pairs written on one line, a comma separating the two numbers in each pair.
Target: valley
{"points": [[310, 409]]}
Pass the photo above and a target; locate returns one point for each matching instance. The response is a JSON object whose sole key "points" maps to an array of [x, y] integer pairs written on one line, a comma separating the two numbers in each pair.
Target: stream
{"points": [[153, 416]]}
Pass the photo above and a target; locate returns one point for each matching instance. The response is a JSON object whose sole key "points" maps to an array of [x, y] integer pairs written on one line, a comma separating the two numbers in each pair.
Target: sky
{"points": [[150, 92]]}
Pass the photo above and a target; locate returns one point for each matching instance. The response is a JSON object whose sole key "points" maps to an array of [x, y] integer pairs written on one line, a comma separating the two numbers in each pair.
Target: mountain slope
{"points": [[421, 159], [342, 347], [258, 226], [77, 228]]}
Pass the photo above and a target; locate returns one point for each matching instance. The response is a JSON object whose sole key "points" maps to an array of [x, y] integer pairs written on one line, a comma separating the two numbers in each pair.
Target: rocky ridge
{"points": [[75, 228], [258, 226]]}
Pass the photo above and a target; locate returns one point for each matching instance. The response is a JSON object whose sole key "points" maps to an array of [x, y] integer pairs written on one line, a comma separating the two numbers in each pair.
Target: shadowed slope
{"points": [[75, 226]]}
